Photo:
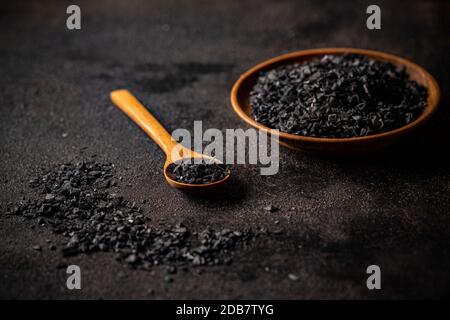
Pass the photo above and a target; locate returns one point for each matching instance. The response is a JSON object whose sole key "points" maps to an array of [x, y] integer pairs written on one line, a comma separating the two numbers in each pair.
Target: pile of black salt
{"points": [[337, 97], [197, 172], [80, 202]]}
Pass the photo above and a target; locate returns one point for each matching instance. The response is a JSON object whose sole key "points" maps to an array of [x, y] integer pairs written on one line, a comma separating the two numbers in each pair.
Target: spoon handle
{"points": [[143, 118]]}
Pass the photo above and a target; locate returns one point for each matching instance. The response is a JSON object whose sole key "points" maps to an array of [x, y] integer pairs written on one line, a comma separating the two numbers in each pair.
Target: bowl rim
{"points": [[432, 86]]}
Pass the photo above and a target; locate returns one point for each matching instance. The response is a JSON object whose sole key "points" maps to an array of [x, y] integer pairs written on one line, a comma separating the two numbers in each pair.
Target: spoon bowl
{"points": [[193, 187], [174, 151]]}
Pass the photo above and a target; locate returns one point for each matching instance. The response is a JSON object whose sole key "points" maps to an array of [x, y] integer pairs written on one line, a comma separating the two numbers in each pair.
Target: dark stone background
{"points": [[181, 58]]}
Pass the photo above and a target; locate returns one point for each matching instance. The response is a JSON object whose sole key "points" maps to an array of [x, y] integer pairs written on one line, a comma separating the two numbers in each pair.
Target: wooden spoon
{"points": [[174, 151]]}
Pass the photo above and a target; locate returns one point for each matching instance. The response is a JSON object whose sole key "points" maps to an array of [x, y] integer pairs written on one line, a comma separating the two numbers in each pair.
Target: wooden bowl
{"points": [[240, 95]]}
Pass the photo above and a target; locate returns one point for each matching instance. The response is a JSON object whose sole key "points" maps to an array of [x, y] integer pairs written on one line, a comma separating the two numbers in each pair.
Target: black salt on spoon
{"points": [[197, 172], [337, 97]]}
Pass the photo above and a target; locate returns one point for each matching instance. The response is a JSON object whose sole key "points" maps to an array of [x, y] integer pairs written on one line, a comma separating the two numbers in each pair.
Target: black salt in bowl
{"points": [[337, 96], [334, 146]]}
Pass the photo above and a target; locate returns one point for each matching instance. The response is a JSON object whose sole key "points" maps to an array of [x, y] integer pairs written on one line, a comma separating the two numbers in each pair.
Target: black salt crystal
{"points": [[271, 208]]}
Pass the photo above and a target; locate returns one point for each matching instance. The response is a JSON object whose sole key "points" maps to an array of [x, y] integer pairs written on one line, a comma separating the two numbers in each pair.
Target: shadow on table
{"points": [[231, 193]]}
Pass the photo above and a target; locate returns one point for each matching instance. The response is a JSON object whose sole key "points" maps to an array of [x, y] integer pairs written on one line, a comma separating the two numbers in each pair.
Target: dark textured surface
{"points": [[337, 216]]}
